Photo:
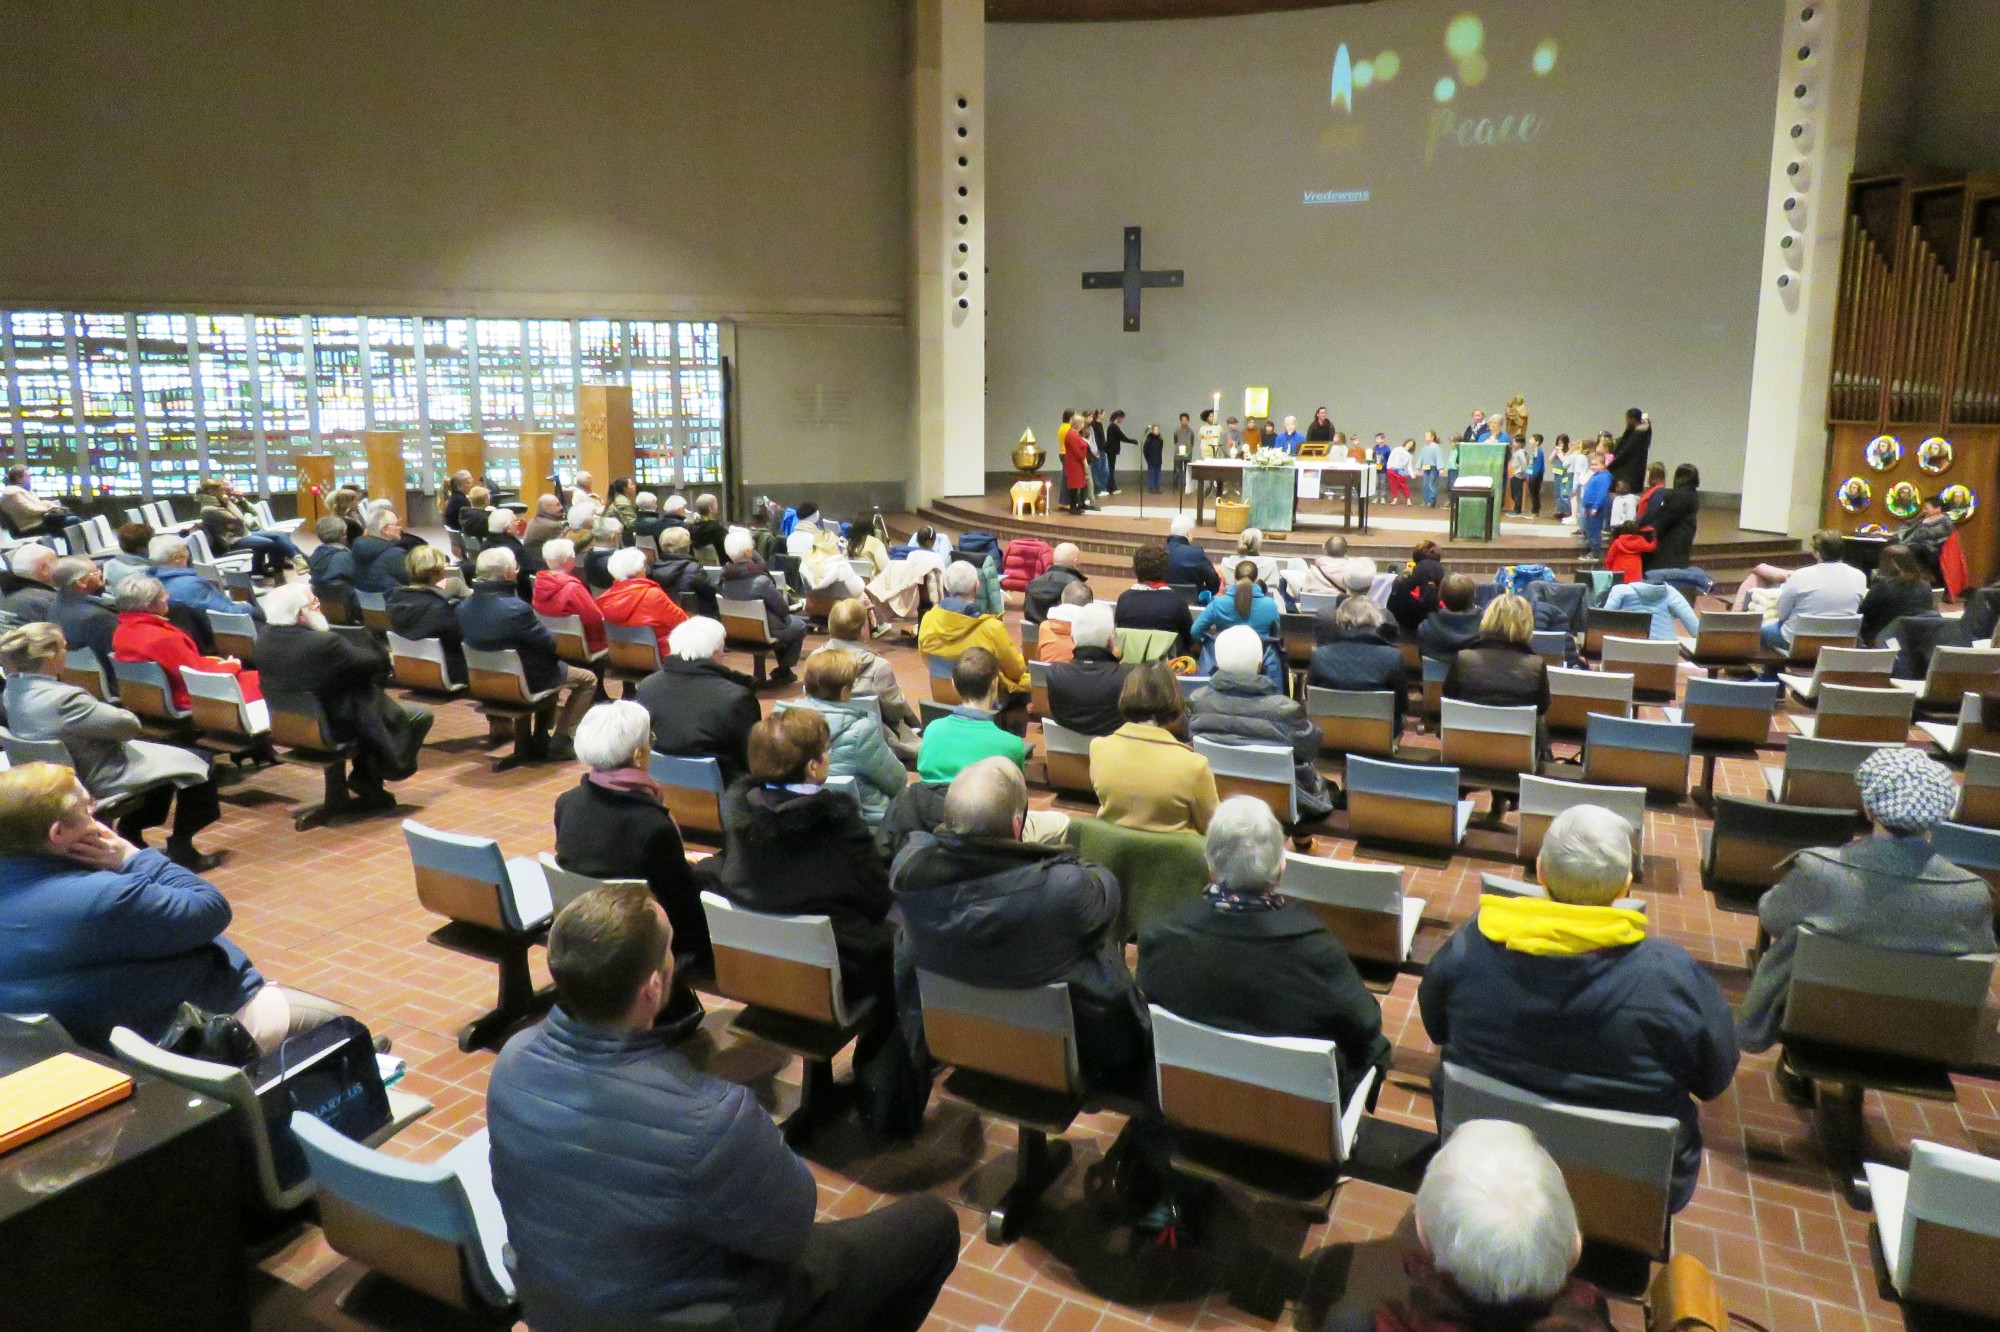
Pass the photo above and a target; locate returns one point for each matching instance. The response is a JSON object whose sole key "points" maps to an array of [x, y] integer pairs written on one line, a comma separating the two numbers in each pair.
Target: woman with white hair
{"points": [[145, 633], [104, 744], [1497, 1242], [1245, 959], [745, 578], [634, 601], [559, 592], [614, 824], [1241, 706], [957, 623]]}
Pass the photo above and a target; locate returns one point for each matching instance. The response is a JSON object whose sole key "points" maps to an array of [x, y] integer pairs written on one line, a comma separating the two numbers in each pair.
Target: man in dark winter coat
{"points": [[682, 575], [701, 708], [1187, 562], [634, 1186], [981, 906], [1572, 998], [1240, 706], [1083, 691], [1246, 960], [1455, 624], [1046, 589]]}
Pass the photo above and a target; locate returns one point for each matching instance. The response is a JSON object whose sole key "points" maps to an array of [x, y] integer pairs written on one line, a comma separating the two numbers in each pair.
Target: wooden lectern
{"points": [[315, 485], [538, 461], [465, 451], [387, 477], [604, 445]]}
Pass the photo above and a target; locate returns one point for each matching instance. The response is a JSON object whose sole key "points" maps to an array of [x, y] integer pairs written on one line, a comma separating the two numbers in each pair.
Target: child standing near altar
{"points": [[1401, 462]]}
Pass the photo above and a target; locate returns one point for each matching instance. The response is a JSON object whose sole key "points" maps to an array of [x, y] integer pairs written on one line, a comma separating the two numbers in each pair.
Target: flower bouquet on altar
{"points": [[1270, 458]]}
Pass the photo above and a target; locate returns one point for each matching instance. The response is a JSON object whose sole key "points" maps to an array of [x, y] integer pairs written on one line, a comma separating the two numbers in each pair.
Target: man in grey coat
{"points": [[110, 759], [634, 1186], [1890, 891]]}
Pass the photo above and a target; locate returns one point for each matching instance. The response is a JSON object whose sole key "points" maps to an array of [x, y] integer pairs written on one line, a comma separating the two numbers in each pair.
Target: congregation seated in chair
{"points": [[1145, 774]]}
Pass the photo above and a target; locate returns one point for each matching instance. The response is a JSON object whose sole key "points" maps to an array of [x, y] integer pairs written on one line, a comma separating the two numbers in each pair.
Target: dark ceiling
{"points": [[1090, 11]]}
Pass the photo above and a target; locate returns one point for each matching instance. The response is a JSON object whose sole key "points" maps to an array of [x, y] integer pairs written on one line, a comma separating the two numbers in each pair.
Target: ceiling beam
{"points": [[1095, 11]]}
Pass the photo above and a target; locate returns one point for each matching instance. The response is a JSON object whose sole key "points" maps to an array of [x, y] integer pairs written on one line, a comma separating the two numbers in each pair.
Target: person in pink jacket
{"points": [[634, 599], [558, 591]]}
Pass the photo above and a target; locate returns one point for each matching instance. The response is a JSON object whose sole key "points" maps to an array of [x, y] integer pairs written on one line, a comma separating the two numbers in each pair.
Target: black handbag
{"points": [[330, 1073], [216, 1037]]}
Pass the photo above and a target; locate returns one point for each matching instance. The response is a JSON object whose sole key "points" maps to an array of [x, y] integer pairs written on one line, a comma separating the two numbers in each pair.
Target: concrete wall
{"points": [[534, 157], [1958, 115], [1611, 262]]}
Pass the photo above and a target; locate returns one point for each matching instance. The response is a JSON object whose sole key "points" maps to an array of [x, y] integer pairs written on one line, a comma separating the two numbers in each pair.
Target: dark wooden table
{"points": [[128, 1218]]}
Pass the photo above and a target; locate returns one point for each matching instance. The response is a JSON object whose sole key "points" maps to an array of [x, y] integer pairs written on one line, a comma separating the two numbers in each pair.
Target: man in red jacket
{"points": [[558, 591], [634, 599], [145, 634]]}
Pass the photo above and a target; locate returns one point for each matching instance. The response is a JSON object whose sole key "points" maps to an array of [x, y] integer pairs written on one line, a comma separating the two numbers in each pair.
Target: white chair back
{"points": [[763, 959], [1279, 1093], [1263, 771], [1363, 905]]}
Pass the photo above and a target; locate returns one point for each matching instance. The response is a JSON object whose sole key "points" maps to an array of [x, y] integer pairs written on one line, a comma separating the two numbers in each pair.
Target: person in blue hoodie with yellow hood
{"points": [[1571, 997]]}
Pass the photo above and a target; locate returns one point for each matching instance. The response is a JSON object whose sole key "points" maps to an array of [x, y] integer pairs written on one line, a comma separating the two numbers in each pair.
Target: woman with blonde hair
{"points": [[1501, 669]]}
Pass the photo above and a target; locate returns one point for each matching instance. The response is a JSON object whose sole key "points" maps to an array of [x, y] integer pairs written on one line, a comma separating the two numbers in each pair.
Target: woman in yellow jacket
{"points": [[1145, 775], [955, 624]]}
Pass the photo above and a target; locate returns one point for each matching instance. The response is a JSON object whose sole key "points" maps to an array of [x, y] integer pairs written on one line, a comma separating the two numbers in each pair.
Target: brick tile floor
{"points": [[334, 911]]}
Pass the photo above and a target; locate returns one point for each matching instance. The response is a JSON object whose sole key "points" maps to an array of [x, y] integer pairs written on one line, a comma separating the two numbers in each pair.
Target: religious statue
{"points": [[1517, 417]]}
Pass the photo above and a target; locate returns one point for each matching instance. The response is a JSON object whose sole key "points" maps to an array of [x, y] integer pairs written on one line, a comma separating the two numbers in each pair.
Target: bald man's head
{"points": [[988, 799], [549, 506], [1067, 555]]}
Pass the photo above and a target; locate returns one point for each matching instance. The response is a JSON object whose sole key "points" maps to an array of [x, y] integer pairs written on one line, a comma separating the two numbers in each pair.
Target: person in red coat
{"points": [[634, 599], [1629, 547], [1076, 467], [145, 634], [558, 591]]}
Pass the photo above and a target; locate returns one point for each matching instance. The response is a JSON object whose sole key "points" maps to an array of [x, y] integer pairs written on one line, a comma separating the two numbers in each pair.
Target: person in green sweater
{"points": [[969, 733]]}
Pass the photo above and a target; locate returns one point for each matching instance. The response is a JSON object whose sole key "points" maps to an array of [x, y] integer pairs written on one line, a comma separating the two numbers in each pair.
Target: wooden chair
{"points": [[1619, 1166], [144, 692], [1970, 848], [1599, 623], [227, 721], [565, 886], [1364, 906], [632, 653], [1814, 634], [1653, 663], [374, 608], [943, 690], [785, 970], [82, 669], [1954, 672], [1731, 719], [1551, 645], [273, 1197], [1752, 842], [1354, 721], [1434, 670], [1298, 635], [235, 635], [1979, 796], [693, 791], [1726, 641], [1819, 773], [1261, 771], [1490, 746], [1012, 1055], [1859, 1017], [1038, 688], [1312, 603], [1405, 803], [1577, 695], [420, 665], [435, 1228], [1543, 798], [1841, 665], [1969, 732], [498, 908], [1066, 754], [1851, 712], [747, 630], [1624, 751], [500, 684], [299, 724], [1260, 1113], [1937, 1227], [571, 644]]}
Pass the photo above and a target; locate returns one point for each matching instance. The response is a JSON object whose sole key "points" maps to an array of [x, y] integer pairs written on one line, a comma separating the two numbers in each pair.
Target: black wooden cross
{"points": [[1132, 278]]}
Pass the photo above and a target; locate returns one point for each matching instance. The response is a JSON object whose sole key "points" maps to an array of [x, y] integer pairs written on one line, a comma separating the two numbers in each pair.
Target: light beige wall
{"points": [[830, 410], [738, 158], [1613, 263]]}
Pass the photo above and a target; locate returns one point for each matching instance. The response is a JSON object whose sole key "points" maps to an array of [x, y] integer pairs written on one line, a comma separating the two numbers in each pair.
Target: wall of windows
{"points": [[146, 404]]}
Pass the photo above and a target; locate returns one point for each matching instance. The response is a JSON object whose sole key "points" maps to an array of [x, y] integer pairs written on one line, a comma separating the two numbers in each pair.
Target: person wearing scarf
{"points": [[1496, 1239], [614, 824]]}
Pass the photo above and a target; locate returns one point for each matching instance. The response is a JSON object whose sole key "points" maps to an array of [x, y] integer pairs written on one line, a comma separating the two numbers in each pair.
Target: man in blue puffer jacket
{"points": [[634, 1186]]}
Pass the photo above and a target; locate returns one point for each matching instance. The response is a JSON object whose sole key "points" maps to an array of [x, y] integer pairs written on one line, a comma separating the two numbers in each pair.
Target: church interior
{"points": [[1583, 416]]}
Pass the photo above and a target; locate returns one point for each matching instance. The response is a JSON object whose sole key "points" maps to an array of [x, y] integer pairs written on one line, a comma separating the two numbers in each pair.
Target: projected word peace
{"points": [[1450, 130]]}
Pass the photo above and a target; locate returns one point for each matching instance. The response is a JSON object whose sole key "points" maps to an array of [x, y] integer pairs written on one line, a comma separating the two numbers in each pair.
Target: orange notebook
{"points": [[63, 1088]]}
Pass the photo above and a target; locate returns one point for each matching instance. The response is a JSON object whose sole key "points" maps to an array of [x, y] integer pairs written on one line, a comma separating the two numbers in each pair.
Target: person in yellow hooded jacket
{"points": [[1570, 996], [955, 624]]}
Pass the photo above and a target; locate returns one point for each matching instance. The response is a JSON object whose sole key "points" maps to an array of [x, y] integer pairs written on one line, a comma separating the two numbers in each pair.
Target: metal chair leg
{"points": [[517, 1001], [1038, 1162], [334, 804], [1843, 1136]]}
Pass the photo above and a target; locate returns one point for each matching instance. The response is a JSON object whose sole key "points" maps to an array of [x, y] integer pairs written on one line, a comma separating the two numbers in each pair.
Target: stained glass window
{"points": [[151, 402]]}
